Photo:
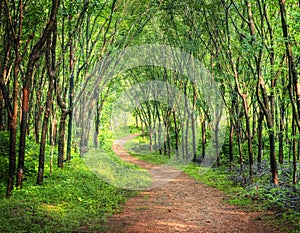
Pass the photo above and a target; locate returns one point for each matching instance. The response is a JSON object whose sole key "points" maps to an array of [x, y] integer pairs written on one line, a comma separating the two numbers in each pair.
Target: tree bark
{"points": [[260, 139], [61, 139], [34, 56], [50, 51]]}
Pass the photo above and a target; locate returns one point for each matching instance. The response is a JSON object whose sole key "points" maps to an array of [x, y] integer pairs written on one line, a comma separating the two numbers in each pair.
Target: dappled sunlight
{"points": [[53, 209], [116, 173], [176, 225]]}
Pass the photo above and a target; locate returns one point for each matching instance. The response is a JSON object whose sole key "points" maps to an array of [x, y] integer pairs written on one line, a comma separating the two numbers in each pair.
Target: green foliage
{"points": [[71, 199], [105, 139], [4, 150], [216, 177]]}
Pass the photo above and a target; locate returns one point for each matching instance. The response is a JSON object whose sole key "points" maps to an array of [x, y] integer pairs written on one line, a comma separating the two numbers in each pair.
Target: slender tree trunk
{"points": [[260, 139], [193, 121], [291, 62], [97, 125], [194, 139], [249, 137], [13, 140], [34, 56], [159, 131], [231, 135], [239, 139], [44, 132], [294, 149], [183, 139], [216, 132], [186, 137], [70, 122], [61, 140], [176, 135], [50, 51], [52, 142], [71, 90], [203, 133], [273, 162], [281, 133], [12, 110], [151, 139], [23, 131], [169, 138], [2, 119]]}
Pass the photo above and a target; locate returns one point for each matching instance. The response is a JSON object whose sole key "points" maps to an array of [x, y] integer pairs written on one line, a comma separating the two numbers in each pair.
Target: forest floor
{"points": [[184, 205]]}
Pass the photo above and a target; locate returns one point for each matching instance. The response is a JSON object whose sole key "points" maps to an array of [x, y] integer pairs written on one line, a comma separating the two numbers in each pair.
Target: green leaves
{"points": [[72, 197]]}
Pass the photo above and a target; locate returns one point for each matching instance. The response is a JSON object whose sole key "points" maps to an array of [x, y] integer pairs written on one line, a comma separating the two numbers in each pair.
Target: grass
{"points": [[72, 199], [138, 147], [108, 167]]}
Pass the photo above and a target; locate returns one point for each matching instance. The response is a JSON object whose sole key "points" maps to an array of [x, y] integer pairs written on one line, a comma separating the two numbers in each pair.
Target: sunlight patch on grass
{"points": [[71, 198], [52, 208], [116, 172]]}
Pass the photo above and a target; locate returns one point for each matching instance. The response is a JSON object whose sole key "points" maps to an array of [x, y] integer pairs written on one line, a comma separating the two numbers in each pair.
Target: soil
{"points": [[183, 205]]}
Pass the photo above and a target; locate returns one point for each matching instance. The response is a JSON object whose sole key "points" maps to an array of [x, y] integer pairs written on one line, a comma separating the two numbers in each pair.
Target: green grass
{"points": [[139, 147], [110, 168], [219, 178], [72, 199]]}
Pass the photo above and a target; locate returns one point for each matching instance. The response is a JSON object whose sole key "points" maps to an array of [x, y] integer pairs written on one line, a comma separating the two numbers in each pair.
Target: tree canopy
{"points": [[54, 55]]}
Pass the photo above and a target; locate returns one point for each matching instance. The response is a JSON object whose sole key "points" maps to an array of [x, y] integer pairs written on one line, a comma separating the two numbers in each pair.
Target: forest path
{"points": [[182, 205]]}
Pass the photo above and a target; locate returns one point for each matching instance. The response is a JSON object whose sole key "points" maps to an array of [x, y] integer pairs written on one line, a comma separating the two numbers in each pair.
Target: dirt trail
{"points": [[182, 205]]}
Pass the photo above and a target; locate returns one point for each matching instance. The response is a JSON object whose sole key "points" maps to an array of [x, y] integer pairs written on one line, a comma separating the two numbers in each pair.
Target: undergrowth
{"points": [[72, 199]]}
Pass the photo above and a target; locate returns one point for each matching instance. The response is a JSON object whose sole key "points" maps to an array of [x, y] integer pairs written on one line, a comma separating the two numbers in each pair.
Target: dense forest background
{"points": [[50, 51]]}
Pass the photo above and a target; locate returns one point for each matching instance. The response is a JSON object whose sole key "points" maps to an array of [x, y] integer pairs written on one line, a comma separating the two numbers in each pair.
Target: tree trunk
{"points": [[97, 125], [231, 135], [294, 150], [281, 133], [23, 132], [11, 109], [13, 140], [71, 90], [260, 139], [249, 137], [44, 132], [216, 132], [273, 162], [203, 141], [186, 137], [239, 139], [70, 122], [2, 119], [52, 141], [34, 56], [294, 82], [176, 135], [51, 45], [61, 139]]}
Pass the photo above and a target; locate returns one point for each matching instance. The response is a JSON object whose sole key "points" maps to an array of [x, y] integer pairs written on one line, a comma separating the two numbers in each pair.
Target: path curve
{"points": [[182, 205]]}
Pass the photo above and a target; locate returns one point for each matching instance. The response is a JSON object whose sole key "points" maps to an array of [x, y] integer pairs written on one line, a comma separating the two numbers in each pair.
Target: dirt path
{"points": [[182, 205]]}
